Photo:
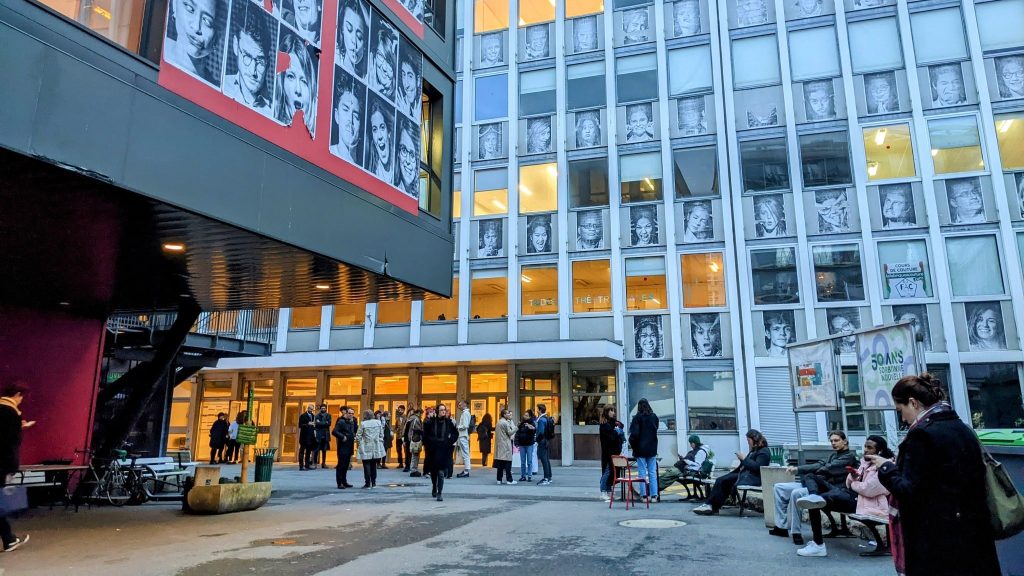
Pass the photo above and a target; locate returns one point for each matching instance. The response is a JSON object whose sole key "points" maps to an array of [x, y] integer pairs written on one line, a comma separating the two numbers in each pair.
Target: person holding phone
{"points": [[11, 425]]}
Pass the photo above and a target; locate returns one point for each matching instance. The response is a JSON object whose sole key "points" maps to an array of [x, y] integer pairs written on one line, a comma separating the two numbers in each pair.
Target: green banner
{"points": [[246, 434]]}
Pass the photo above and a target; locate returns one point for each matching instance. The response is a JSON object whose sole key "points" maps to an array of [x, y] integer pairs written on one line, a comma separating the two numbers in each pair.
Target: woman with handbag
{"points": [[504, 432], [370, 437], [939, 519]]}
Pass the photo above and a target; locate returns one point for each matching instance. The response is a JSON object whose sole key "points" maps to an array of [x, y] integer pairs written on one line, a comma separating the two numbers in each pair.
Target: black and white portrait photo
{"points": [[770, 216], [1019, 181], [588, 129], [648, 337], [415, 7], [763, 115], [589, 230], [833, 208], [490, 243], [407, 143], [843, 321], [489, 141], [966, 202], [706, 335], [351, 51], [195, 37], [252, 57], [779, 330], [808, 8], [643, 225], [635, 26], [861, 4], [819, 100], [917, 315], [347, 117], [383, 57], [538, 234], [536, 42], [691, 118], [880, 93], [698, 222], [751, 13], [410, 89], [640, 122], [538, 135], [295, 86], [380, 138], [584, 34], [897, 206], [1010, 76], [947, 85], [492, 50], [305, 16], [686, 19], [985, 326]]}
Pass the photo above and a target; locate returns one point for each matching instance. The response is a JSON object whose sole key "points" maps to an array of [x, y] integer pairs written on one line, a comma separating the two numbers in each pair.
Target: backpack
{"points": [[708, 464], [472, 424], [549, 428]]}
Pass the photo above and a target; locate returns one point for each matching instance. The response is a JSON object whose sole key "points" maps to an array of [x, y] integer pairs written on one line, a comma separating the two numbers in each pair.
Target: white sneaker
{"points": [[606, 496], [514, 482], [813, 550], [810, 502], [501, 482]]}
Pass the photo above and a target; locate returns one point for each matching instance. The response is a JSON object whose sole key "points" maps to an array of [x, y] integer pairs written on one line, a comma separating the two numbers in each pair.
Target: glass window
{"points": [[645, 283], [490, 15], [591, 392], [439, 383], [458, 101], [489, 294], [938, 35], [974, 267], [703, 280], [305, 318], [491, 97], [540, 388], [640, 177], [765, 165], [774, 277], [349, 314], [216, 389], [956, 145], [300, 387], [442, 309], [394, 312], [487, 382], [491, 194], [535, 11], [689, 70], [538, 188], [875, 45], [993, 392], [636, 78], [1010, 132], [397, 385], [825, 159], [588, 182], [755, 61], [659, 389], [695, 172], [711, 401], [585, 85], [999, 24], [539, 288], [837, 273], [345, 386], [120, 22], [813, 53], [855, 415], [456, 196], [575, 8], [906, 272], [889, 152], [537, 92], [591, 286]]}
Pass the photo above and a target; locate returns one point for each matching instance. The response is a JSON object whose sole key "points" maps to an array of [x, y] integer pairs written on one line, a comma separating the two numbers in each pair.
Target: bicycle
{"points": [[117, 483]]}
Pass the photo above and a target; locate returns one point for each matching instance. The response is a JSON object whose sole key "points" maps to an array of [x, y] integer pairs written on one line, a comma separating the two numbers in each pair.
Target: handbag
{"points": [[13, 499], [1005, 504]]}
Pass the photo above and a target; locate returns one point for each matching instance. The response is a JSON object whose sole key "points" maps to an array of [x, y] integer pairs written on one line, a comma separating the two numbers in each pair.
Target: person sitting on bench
{"points": [[748, 473], [863, 494], [697, 463], [813, 480]]}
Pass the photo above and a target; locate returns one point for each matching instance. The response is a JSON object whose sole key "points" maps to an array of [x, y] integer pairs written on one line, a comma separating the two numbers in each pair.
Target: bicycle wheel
{"points": [[142, 483], [114, 488]]}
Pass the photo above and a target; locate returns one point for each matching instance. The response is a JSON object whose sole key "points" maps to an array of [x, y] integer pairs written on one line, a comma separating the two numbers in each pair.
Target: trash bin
{"points": [[1007, 446], [264, 463]]}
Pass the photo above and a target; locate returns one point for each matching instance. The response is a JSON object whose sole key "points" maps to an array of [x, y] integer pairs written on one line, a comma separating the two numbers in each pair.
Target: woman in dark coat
{"points": [[940, 521], [439, 438], [748, 473], [218, 438], [484, 434], [643, 439], [612, 437]]}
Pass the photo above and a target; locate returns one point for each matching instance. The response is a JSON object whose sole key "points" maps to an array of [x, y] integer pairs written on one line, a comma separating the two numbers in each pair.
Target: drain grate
{"points": [[652, 523]]}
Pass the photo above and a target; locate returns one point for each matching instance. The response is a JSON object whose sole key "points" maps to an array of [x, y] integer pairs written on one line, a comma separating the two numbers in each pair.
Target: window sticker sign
{"points": [[884, 355], [812, 369], [905, 280]]}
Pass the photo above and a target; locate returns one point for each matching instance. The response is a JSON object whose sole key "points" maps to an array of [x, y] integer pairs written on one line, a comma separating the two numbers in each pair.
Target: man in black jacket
{"points": [[322, 425], [218, 438], [307, 439], [345, 432], [11, 425]]}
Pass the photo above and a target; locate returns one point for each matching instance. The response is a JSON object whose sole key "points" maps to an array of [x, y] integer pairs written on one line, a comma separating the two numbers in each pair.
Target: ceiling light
{"points": [[499, 205], [935, 152], [525, 278], [649, 183], [524, 190], [872, 168], [714, 267], [174, 247], [554, 171], [880, 136], [63, 303], [322, 286], [1004, 126]]}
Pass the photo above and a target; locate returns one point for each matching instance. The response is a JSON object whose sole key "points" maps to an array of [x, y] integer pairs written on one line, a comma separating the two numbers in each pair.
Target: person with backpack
{"points": [[414, 440], [643, 439], [612, 437], [504, 434], [389, 437], [545, 434], [697, 463], [484, 435], [526, 437], [465, 425]]}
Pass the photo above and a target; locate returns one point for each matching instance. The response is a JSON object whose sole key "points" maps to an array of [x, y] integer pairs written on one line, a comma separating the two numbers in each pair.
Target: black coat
{"points": [[611, 442], [643, 435], [345, 432], [834, 468], [750, 468], [938, 483], [322, 427], [10, 441], [439, 438], [485, 435], [219, 433], [307, 429]]}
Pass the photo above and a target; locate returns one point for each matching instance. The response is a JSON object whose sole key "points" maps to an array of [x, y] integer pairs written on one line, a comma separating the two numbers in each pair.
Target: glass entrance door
{"points": [[488, 394], [293, 409]]}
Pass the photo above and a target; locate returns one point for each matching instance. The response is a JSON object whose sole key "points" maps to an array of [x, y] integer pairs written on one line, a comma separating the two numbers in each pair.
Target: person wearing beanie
{"points": [[689, 466]]}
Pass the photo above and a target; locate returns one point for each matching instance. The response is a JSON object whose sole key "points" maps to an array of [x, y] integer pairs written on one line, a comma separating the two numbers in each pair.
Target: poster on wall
{"points": [[884, 355], [812, 369], [332, 81], [905, 280]]}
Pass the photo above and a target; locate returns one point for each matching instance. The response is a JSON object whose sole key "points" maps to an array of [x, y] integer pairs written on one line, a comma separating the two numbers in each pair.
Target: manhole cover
{"points": [[652, 523]]}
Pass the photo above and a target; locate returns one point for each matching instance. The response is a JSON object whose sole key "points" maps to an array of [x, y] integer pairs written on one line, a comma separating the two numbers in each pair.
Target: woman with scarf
{"points": [[439, 438], [939, 520]]}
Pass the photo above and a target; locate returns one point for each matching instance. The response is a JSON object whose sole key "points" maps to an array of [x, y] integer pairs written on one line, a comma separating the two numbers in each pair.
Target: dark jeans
{"points": [[370, 472], [341, 471], [307, 455], [721, 490], [483, 458], [233, 451], [6, 532], [408, 455], [437, 481], [816, 484], [323, 446], [545, 460], [503, 467], [400, 451], [216, 454]]}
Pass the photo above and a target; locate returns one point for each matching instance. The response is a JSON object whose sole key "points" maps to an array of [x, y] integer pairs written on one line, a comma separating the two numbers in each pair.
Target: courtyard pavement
{"points": [[309, 527]]}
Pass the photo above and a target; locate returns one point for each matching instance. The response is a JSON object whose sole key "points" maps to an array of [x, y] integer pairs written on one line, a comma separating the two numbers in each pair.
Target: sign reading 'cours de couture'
{"points": [[332, 81]]}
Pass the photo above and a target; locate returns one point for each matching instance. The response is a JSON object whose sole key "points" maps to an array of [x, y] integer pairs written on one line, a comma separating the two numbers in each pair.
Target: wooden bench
{"points": [[33, 479], [739, 492], [164, 468], [872, 523]]}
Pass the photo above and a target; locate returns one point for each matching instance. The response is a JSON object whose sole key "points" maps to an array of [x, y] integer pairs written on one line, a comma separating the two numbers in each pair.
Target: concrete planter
{"points": [[224, 498]]}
